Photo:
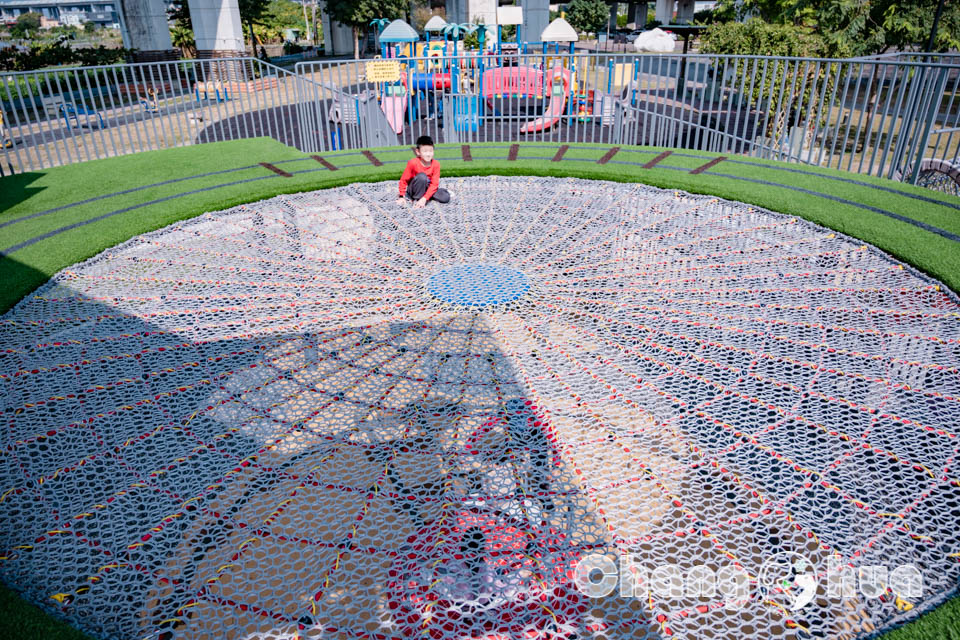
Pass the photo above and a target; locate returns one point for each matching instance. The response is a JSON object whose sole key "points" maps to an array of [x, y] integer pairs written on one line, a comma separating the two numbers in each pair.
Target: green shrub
{"points": [[801, 81], [58, 53], [756, 37], [290, 48], [706, 16]]}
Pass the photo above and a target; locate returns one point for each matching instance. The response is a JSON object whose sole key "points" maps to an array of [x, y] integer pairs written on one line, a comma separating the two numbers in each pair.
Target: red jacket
{"points": [[414, 167]]}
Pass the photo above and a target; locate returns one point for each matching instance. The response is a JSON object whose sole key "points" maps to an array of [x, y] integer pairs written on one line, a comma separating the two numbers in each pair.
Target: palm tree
{"points": [[182, 38], [481, 30], [455, 30], [380, 24]]}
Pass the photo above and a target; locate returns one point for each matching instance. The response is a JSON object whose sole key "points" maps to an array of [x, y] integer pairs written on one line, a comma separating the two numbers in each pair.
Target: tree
{"points": [[420, 15], [89, 27], [357, 14], [858, 27], [26, 26], [757, 37], [588, 15], [281, 15], [67, 31], [182, 38], [779, 40], [252, 11]]}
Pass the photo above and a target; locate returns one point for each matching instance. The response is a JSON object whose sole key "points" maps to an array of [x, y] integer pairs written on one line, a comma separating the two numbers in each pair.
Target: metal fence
{"points": [[896, 116], [61, 116]]}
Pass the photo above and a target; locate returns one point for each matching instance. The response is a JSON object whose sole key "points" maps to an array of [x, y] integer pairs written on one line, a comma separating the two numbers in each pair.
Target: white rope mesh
{"points": [[326, 415]]}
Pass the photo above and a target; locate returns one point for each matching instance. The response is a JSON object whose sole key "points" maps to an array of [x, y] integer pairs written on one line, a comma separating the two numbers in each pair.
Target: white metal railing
{"points": [[888, 115]]}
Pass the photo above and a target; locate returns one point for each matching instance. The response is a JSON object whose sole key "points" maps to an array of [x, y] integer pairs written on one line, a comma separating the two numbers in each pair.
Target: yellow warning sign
{"points": [[383, 71]]}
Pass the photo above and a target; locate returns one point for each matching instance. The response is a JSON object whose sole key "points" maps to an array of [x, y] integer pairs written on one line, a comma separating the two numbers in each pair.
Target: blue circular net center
{"points": [[477, 285]]}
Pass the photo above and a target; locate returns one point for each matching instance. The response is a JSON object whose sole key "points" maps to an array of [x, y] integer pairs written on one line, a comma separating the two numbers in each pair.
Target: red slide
{"points": [[557, 103]]}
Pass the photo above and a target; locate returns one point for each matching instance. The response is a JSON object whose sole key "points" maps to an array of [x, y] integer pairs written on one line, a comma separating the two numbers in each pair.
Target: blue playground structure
{"points": [[416, 78]]}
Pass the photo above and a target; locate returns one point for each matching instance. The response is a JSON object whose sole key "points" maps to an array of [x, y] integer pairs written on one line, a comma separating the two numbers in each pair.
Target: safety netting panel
{"points": [[551, 408]]}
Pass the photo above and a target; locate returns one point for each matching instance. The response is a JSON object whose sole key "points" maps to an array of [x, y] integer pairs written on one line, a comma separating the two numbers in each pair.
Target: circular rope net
{"points": [[327, 415]]}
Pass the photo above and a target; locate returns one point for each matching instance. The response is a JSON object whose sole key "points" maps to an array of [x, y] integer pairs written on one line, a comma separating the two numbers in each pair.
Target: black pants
{"points": [[418, 186]]}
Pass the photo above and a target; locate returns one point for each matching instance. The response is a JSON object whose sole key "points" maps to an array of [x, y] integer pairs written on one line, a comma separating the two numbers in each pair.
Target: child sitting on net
{"points": [[420, 181]]}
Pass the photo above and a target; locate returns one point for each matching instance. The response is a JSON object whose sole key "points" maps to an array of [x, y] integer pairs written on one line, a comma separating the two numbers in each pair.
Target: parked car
{"points": [[633, 34]]}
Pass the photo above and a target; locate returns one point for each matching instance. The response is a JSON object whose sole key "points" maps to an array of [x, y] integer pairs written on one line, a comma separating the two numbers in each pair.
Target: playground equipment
{"points": [[418, 69], [428, 55], [347, 109], [394, 106], [5, 141], [429, 81], [559, 89], [394, 96], [410, 71], [402, 469], [939, 175], [435, 24], [508, 16], [529, 81]]}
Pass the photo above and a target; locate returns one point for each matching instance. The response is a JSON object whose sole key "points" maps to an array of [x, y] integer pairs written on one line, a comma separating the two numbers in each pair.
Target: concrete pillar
{"points": [[685, 11], [337, 37], [665, 11], [219, 34], [329, 48], [146, 22], [612, 22], [637, 14], [536, 17], [483, 11], [456, 12], [217, 28]]}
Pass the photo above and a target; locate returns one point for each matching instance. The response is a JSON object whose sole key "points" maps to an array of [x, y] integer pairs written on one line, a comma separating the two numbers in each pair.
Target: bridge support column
{"points": [[637, 14], [146, 22], [536, 17], [337, 38], [665, 11], [217, 28], [218, 32]]}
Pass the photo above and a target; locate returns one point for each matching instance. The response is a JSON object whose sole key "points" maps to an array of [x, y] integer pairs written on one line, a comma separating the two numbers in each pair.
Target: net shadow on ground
{"points": [[203, 478]]}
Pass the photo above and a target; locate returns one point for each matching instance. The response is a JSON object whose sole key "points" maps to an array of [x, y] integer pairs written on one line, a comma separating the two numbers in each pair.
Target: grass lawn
{"points": [[52, 219]]}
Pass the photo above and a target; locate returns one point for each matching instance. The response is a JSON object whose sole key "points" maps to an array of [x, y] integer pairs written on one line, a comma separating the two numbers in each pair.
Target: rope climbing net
{"points": [[326, 414]]}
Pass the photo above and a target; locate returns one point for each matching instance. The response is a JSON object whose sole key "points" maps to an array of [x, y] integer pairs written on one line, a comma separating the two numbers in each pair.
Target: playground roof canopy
{"points": [[559, 31], [509, 15], [436, 23], [399, 31]]}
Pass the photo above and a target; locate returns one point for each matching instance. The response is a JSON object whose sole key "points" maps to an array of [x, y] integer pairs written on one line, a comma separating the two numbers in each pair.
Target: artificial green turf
{"points": [[21, 620], [75, 182], [28, 268], [943, 623]]}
